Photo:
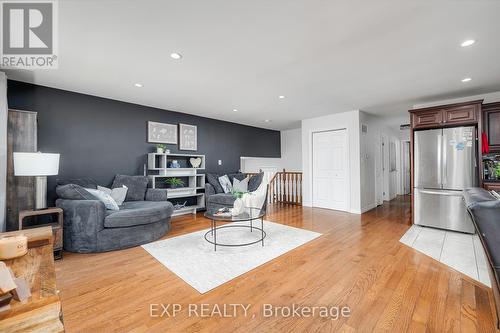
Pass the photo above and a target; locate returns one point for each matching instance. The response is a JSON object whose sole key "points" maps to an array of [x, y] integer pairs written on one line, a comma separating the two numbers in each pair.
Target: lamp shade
{"points": [[36, 164]]}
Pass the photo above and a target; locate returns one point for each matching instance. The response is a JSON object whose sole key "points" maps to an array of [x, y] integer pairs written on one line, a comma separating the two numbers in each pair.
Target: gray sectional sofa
{"points": [[215, 197], [90, 227], [484, 209]]}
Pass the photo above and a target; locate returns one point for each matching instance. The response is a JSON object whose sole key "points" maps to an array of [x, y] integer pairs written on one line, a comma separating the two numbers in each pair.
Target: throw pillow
{"points": [[213, 180], [85, 182], [73, 192], [118, 194], [108, 201], [240, 185], [226, 184], [255, 181], [136, 185]]}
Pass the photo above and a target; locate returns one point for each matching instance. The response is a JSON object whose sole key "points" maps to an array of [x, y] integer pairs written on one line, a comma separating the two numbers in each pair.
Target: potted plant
{"points": [[160, 148], [174, 182]]}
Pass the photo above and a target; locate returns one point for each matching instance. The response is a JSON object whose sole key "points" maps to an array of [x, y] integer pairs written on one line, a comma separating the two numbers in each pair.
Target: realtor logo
{"points": [[29, 34]]}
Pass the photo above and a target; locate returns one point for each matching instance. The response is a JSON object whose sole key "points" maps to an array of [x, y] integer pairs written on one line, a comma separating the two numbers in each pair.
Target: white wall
{"points": [[291, 149], [350, 121], [3, 147], [373, 180], [291, 155]]}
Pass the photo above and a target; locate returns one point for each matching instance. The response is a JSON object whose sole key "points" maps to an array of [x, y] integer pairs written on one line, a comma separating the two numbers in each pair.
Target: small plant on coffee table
{"points": [[174, 182]]}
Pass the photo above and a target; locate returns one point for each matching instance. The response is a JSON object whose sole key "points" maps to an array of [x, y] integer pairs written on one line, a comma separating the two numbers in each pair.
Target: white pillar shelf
{"points": [[160, 169]]}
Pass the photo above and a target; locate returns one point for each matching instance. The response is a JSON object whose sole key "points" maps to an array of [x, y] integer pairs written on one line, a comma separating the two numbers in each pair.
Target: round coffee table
{"points": [[249, 215]]}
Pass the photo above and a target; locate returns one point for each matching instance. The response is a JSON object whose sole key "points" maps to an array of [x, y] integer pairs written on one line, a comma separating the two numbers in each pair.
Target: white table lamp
{"points": [[39, 165]]}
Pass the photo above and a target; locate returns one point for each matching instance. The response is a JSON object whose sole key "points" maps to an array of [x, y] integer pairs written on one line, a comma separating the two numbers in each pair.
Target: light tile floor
{"points": [[460, 251]]}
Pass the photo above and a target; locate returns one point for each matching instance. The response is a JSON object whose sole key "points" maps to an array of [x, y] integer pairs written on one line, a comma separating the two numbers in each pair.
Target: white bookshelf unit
{"points": [[160, 169]]}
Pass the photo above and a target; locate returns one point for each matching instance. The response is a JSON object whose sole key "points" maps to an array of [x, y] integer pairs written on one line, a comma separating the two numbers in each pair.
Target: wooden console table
{"points": [[57, 228], [42, 312]]}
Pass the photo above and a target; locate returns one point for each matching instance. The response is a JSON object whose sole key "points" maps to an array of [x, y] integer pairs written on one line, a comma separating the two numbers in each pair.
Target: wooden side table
{"points": [[57, 228], [41, 313]]}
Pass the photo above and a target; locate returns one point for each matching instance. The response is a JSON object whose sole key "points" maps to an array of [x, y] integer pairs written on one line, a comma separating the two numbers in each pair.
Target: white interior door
{"points": [[330, 170]]}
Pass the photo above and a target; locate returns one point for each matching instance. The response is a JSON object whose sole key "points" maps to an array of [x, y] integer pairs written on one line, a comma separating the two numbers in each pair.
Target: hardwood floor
{"points": [[358, 262]]}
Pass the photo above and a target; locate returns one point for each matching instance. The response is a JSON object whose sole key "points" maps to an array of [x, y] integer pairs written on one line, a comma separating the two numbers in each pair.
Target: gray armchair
{"points": [[215, 197], [90, 227]]}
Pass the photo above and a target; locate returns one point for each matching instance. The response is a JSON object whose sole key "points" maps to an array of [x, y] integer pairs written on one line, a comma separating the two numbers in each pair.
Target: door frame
{"points": [[311, 164]]}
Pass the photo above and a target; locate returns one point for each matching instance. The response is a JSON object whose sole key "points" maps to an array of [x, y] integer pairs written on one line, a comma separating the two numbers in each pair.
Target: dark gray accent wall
{"points": [[99, 137]]}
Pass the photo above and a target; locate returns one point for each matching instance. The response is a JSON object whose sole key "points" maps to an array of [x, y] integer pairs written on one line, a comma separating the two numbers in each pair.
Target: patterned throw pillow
{"points": [[226, 184], [118, 194], [108, 201]]}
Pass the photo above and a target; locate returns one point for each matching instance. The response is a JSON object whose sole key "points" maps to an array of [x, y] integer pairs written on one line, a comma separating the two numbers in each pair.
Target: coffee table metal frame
{"points": [[255, 214]]}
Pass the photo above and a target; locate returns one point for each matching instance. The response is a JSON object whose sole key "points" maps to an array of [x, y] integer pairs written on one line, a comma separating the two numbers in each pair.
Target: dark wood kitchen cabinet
{"points": [[491, 125], [426, 119], [446, 115]]}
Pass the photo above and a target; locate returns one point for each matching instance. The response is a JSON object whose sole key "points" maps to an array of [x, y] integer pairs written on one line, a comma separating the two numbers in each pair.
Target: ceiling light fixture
{"points": [[468, 42], [281, 96], [467, 79], [267, 120], [138, 85], [175, 55], [235, 110]]}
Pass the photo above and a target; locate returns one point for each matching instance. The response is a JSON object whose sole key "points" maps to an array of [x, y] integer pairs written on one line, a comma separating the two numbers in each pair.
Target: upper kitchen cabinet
{"points": [[446, 115], [491, 125]]}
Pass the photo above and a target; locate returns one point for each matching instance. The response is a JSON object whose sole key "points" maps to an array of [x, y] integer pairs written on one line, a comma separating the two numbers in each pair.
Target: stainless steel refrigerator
{"points": [[445, 164]]}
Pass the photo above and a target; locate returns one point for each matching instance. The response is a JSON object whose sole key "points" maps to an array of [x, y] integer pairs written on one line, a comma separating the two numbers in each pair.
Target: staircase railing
{"points": [[286, 187]]}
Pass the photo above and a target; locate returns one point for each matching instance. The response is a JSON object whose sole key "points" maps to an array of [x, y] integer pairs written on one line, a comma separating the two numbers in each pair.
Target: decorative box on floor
{"points": [[189, 197]]}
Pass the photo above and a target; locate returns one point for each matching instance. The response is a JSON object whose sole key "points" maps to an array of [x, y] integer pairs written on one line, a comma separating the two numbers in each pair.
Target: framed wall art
{"points": [[162, 133], [188, 137]]}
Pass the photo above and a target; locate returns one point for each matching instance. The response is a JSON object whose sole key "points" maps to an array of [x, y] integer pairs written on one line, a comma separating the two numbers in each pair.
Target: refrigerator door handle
{"points": [[441, 192], [439, 169], [445, 173]]}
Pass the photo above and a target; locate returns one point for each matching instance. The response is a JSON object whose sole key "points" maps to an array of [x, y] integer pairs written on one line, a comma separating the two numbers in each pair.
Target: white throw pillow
{"points": [[118, 194], [108, 201], [226, 184], [240, 185]]}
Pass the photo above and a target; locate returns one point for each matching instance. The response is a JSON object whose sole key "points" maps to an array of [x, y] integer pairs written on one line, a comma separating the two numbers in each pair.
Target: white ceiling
{"points": [[324, 56]]}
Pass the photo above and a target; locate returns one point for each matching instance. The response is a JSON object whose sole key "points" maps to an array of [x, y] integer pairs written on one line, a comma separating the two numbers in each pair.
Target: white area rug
{"points": [[194, 260], [462, 252]]}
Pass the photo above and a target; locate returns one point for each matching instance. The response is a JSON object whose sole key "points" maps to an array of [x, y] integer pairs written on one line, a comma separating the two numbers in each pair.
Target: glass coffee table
{"points": [[250, 215]]}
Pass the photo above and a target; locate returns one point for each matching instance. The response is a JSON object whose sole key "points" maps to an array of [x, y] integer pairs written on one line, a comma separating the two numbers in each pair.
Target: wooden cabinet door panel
{"points": [[427, 119], [463, 114], [492, 126]]}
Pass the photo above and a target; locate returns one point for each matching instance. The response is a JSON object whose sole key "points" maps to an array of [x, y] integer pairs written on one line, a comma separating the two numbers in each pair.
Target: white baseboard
{"points": [[368, 207]]}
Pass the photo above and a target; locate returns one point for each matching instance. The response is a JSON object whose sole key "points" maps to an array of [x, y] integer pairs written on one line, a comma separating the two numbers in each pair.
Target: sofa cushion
{"points": [[213, 180], [239, 176], [225, 199], [83, 182], [73, 192], [138, 212], [475, 195], [254, 182], [136, 185]]}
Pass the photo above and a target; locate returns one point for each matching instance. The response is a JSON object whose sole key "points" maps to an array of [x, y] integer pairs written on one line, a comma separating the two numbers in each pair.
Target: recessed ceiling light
{"points": [[235, 110], [468, 42], [267, 120], [175, 56], [138, 85], [467, 79], [281, 96]]}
